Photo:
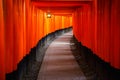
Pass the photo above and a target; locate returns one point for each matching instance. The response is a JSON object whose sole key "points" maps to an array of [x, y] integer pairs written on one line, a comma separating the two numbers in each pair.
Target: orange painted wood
{"points": [[72, 4], [9, 35], [40, 24], [53, 23], [115, 34], [62, 0], [2, 43], [18, 32], [101, 36], [28, 25]]}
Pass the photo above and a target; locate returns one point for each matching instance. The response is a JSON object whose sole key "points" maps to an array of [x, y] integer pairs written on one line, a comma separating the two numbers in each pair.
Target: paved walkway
{"points": [[59, 63]]}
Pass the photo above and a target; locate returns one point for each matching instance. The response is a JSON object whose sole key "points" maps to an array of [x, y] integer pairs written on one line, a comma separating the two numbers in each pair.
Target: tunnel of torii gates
{"points": [[96, 24]]}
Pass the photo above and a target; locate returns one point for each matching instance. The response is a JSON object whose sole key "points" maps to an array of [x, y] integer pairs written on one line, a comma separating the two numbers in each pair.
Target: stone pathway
{"points": [[59, 63]]}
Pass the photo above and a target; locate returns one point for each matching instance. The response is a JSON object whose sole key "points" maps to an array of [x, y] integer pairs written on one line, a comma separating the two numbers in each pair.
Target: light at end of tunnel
{"points": [[48, 15]]}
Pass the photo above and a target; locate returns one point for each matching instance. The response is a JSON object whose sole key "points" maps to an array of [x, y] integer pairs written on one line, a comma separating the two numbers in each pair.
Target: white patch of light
{"points": [[61, 43]]}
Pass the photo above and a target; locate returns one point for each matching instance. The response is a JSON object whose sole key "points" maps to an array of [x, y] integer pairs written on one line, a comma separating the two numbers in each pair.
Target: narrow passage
{"points": [[59, 63]]}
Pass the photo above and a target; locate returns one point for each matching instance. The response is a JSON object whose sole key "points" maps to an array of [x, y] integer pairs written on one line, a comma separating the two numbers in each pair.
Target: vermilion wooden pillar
{"points": [[94, 24], [16, 29], [28, 24], [60, 22], [35, 22], [2, 43], [56, 22], [67, 21], [18, 32], [24, 26], [115, 34], [106, 30], [9, 32], [40, 24], [45, 24], [74, 25], [52, 23], [63, 22], [71, 20], [103, 29], [33, 27]]}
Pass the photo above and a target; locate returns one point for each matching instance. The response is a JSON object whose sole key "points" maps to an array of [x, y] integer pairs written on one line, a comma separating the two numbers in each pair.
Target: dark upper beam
{"points": [[61, 0], [49, 4]]}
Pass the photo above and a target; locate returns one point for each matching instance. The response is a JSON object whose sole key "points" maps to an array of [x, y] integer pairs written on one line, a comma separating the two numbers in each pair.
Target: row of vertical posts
{"points": [[22, 25], [97, 27]]}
